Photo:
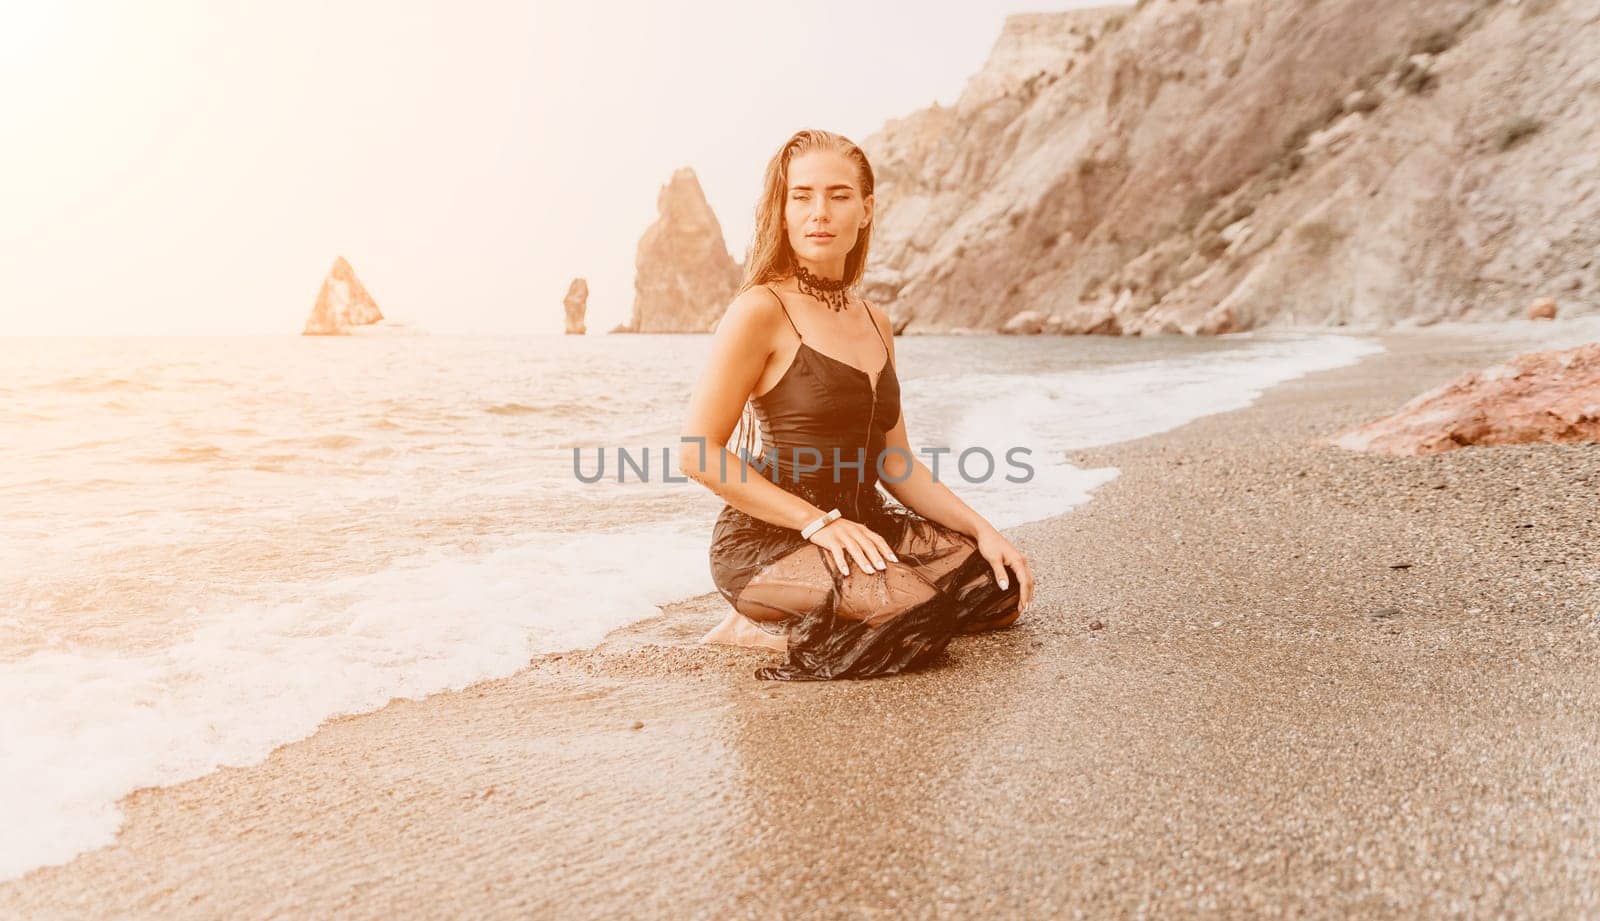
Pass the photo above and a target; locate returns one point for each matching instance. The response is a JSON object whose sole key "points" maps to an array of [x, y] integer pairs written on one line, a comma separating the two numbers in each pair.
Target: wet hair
{"points": [[770, 257]]}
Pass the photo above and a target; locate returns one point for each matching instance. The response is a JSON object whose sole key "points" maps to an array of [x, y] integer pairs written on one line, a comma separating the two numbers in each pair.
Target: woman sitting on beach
{"points": [[813, 558]]}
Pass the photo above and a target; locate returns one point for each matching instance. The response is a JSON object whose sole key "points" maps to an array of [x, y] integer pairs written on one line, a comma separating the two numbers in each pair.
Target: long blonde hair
{"points": [[770, 257]]}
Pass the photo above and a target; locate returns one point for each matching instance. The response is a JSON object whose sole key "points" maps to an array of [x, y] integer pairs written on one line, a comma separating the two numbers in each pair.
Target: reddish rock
{"points": [[1536, 397], [1542, 309]]}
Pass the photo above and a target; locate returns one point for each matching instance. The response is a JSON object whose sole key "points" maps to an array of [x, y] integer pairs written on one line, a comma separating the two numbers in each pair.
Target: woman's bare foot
{"points": [[737, 630]]}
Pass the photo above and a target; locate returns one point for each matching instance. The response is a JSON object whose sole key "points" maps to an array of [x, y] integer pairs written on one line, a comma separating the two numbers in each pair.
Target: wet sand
{"points": [[1323, 683]]}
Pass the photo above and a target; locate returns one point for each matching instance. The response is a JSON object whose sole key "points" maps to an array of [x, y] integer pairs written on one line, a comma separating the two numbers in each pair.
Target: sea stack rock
{"points": [[576, 302], [342, 304], [1536, 397], [683, 275]]}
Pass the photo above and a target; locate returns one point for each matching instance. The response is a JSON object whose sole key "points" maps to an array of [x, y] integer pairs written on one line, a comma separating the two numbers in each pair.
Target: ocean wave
{"points": [[585, 408], [514, 409], [93, 384], [188, 454]]}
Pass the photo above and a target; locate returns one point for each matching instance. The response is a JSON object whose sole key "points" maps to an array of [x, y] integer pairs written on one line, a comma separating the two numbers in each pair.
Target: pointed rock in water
{"points": [[342, 304], [576, 303], [683, 275]]}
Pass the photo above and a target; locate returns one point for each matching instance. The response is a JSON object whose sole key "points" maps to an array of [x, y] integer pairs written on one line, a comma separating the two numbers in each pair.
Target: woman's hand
{"points": [[1000, 554], [845, 538]]}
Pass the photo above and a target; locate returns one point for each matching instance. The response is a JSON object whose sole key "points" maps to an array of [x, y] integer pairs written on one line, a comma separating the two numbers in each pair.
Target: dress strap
{"points": [[875, 328], [786, 313]]}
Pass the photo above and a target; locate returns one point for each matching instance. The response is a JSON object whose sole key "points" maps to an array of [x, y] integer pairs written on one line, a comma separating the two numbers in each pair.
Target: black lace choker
{"points": [[830, 291]]}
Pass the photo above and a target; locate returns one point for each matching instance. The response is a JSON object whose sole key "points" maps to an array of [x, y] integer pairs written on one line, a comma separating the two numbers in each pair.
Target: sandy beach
{"points": [[1263, 676]]}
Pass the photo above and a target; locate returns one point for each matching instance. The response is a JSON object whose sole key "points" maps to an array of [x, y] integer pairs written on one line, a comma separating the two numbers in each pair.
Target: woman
{"points": [[813, 558]]}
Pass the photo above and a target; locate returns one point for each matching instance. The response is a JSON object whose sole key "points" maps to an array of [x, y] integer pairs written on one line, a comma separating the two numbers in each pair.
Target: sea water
{"points": [[208, 546]]}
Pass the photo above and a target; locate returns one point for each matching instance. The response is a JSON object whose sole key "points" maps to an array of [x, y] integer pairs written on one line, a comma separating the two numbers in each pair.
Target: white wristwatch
{"points": [[817, 525]]}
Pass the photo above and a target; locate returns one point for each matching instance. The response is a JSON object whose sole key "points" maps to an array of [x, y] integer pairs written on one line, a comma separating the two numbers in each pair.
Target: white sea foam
{"points": [[82, 729], [1054, 413]]}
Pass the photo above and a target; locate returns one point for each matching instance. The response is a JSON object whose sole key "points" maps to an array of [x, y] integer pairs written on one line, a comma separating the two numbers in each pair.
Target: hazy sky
{"points": [[195, 167]]}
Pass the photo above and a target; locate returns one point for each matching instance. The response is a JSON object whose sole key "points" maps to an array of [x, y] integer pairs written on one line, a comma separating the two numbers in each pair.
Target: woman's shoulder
{"points": [[754, 320], [880, 317], [755, 308]]}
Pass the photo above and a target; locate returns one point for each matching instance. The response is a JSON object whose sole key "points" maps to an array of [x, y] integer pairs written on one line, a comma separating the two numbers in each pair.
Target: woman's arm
{"points": [[740, 347], [918, 491]]}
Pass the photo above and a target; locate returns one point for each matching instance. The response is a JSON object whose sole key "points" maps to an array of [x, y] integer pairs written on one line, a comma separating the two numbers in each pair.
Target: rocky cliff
{"points": [[683, 275], [342, 304], [1200, 166]]}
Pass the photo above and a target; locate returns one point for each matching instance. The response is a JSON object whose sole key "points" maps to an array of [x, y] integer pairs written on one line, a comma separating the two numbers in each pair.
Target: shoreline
{"points": [[1255, 628]]}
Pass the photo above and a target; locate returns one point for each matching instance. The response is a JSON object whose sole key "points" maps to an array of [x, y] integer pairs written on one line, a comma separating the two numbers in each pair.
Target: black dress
{"points": [[868, 623]]}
